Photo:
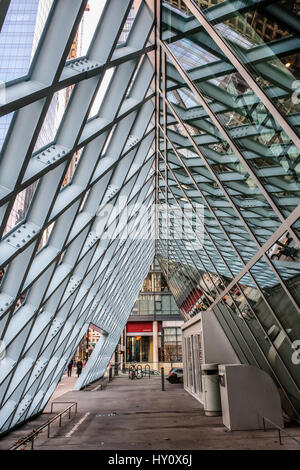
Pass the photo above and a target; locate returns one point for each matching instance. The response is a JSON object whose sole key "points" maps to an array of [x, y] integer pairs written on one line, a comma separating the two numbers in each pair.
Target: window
{"points": [[172, 344]]}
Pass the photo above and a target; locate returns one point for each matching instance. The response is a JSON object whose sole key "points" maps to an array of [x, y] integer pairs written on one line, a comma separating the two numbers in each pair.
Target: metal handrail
{"points": [[279, 429], [33, 434], [72, 403]]}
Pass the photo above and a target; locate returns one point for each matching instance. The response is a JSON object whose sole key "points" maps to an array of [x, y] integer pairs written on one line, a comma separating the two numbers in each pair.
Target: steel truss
{"points": [[91, 264], [216, 147]]}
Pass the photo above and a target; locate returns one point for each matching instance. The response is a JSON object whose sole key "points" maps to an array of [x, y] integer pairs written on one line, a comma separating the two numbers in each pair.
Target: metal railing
{"points": [[32, 436], [279, 429]]}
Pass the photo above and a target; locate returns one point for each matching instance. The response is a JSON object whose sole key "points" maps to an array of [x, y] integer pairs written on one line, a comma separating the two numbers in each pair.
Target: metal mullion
{"points": [[187, 170], [80, 196], [222, 130], [74, 267], [240, 67], [281, 281], [62, 83], [276, 235], [51, 294], [163, 74], [216, 178], [157, 11], [203, 267], [268, 362], [59, 334], [204, 228], [207, 203], [75, 149], [43, 111], [36, 242], [191, 279]]}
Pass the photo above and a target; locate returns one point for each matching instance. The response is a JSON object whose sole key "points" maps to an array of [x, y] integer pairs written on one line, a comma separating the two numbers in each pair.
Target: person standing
{"points": [[70, 365], [79, 367]]}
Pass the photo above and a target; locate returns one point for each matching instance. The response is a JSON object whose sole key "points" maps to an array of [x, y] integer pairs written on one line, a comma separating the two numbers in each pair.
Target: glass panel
{"points": [[20, 35], [265, 147], [263, 39], [278, 299], [285, 257], [20, 207]]}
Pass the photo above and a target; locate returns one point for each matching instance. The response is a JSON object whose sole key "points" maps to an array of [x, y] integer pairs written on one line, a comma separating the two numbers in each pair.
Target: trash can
{"points": [[210, 382]]}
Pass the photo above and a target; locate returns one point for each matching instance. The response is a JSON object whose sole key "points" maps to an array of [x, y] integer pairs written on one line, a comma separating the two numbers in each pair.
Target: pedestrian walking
{"points": [[79, 367], [70, 365]]}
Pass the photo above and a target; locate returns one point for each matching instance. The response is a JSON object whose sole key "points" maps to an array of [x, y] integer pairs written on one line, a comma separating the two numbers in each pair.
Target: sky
{"points": [[91, 19]]}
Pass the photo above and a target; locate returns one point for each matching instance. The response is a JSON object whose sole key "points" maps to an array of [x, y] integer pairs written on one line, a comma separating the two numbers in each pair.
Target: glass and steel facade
{"points": [[155, 305], [228, 130], [198, 107], [155, 299], [66, 263]]}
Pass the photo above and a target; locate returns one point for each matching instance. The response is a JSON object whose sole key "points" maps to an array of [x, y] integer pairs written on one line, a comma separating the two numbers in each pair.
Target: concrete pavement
{"points": [[138, 415]]}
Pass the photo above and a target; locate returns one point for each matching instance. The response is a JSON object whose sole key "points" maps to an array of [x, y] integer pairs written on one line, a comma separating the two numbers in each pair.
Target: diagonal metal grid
{"points": [[64, 261], [197, 106]]}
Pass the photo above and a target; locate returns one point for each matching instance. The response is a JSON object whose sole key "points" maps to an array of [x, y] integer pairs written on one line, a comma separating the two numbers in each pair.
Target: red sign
{"points": [[141, 327]]}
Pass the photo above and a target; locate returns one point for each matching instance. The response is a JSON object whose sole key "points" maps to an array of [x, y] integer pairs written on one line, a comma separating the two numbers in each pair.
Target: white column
{"points": [[155, 345]]}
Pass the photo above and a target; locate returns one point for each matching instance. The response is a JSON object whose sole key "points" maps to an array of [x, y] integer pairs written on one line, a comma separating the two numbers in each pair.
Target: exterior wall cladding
{"points": [[202, 110]]}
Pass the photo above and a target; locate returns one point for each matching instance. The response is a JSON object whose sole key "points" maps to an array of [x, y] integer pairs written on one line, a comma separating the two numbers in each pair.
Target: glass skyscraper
{"points": [[19, 38]]}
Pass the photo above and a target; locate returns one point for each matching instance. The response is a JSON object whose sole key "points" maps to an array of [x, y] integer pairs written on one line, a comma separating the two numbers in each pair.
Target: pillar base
{"points": [[212, 413]]}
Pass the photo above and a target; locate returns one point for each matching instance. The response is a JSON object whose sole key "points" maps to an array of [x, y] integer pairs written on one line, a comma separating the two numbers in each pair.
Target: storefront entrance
{"points": [[139, 348]]}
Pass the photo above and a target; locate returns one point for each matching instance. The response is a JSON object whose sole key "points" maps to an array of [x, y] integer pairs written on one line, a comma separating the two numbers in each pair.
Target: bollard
{"points": [[162, 371]]}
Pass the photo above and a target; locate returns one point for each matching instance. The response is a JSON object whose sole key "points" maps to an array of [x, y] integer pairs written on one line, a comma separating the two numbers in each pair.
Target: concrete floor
{"points": [[137, 415]]}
